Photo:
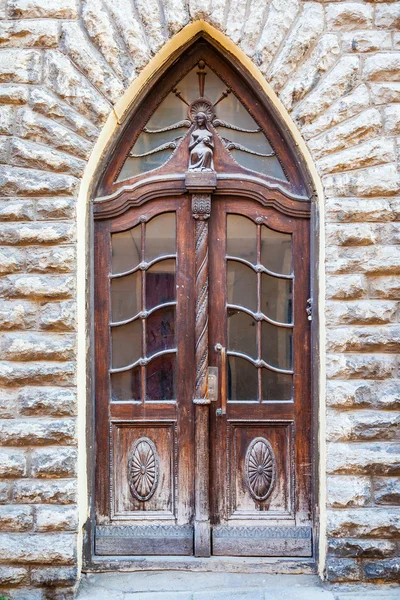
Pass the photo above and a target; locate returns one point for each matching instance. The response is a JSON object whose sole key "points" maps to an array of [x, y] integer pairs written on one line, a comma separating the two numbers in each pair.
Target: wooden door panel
{"points": [[260, 466]]}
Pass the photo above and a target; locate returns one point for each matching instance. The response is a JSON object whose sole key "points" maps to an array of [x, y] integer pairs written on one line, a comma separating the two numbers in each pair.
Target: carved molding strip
{"points": [[260, 468], [145, 531], [143, 468], [201, 327], [224, 531]]}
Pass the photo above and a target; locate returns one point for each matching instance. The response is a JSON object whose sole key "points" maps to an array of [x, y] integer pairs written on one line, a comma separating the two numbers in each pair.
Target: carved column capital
{"points": [[201, 206]]}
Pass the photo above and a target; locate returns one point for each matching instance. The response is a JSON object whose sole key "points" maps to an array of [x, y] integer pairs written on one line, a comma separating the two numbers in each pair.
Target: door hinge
{"points": [[309, 309]]}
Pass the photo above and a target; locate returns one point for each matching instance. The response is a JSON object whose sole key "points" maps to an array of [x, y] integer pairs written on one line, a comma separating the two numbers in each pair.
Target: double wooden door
{"points": [[228, 473]]}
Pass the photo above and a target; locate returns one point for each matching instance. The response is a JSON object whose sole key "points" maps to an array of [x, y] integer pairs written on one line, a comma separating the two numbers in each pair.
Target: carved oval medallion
{"points": [[260, 468], [143, 463]]}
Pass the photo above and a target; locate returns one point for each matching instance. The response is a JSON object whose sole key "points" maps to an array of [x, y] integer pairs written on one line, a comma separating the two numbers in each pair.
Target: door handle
{"points": [[222, 350]]}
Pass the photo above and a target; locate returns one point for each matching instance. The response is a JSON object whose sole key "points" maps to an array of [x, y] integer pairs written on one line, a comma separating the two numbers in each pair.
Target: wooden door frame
{"points": [[92, 563]]}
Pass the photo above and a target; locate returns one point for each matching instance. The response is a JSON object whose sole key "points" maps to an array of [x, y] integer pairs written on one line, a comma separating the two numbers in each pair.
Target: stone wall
{"points": [[63, 64]]}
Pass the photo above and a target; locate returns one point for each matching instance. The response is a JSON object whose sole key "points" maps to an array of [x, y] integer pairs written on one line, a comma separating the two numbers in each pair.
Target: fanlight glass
{"points": [[170, 122]]}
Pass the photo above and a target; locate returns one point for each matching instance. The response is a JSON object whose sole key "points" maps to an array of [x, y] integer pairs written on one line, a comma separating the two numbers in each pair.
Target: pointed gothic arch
{"points": [[266, 172]]}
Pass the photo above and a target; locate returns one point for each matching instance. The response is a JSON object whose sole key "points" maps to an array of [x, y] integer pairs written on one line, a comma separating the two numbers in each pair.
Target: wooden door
{"points": [[261, 428], [144, 381], [201, 263]]}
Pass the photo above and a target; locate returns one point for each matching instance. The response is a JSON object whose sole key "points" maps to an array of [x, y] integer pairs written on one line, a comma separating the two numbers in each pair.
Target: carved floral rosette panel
{"points": [[260, 469], [143, 469]]}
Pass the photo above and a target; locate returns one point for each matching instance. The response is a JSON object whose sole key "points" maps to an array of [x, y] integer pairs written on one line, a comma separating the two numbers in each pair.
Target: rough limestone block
{"points": [[340, 80], [12, 463], [346, 287], [374, 260], [347, 491], [44, 287], [75, 44], [36, 491], [52, 549], [354, 548], [57, 316], [342, 109], [11, 260], [37, 373], [55, 208], [384, 66], [13, 94], [384, 287], [387, 490], [383, 570], [28, 34], [51, 260], [361, 312], [306, 30], [58, 9], [279, 20], [388, 16], [20, 66], [13, 575], [37, 156], [176, 15], [384, 93], [62, 78], [8, 404], [54, 462], [359, 129], [27, 182], [366, 41], [378, 458], [374, 152], [379, 523], [348, 15], [16, 518], [7, 118], [37, 346], [363, 425], [253, 25], [364, 339], [351, 234], [348, 210], [152, 19], [52, 576], [37, 233], [392, 119], [14, 209], [374, 181], [358, 366], [344, 569], [37, 432], [47, 401], [56, 518]]}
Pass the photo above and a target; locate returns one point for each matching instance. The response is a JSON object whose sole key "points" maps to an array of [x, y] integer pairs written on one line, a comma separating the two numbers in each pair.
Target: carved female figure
{"points": [[201, 146]]}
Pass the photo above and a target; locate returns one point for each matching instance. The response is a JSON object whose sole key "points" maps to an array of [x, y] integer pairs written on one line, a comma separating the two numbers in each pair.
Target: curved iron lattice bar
{"points": [[259, 362], [143, 314], [259, 316], [178, 125], [142, 266], [234, 146], [142, 362], [167, 146], [259, 268], [219, 123]]}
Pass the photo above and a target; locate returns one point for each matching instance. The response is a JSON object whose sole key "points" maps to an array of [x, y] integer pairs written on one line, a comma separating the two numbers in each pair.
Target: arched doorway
{"points": [[203, 413]]}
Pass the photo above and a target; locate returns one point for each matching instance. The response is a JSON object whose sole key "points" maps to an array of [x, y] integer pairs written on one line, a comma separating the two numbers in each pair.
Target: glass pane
{"points": [[242, 285], [214, 86], [126, 385], [276, 251], [242, 333], [277, 347], [276, 386], [276, 298], [160, 376], [125, 297], [171, 111], [241, 238], [232, 111], [268, 165], [160, 330], [242, 379], [136, 166], [126, 250], [126, 344], [160, 236], [160, 283]]}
